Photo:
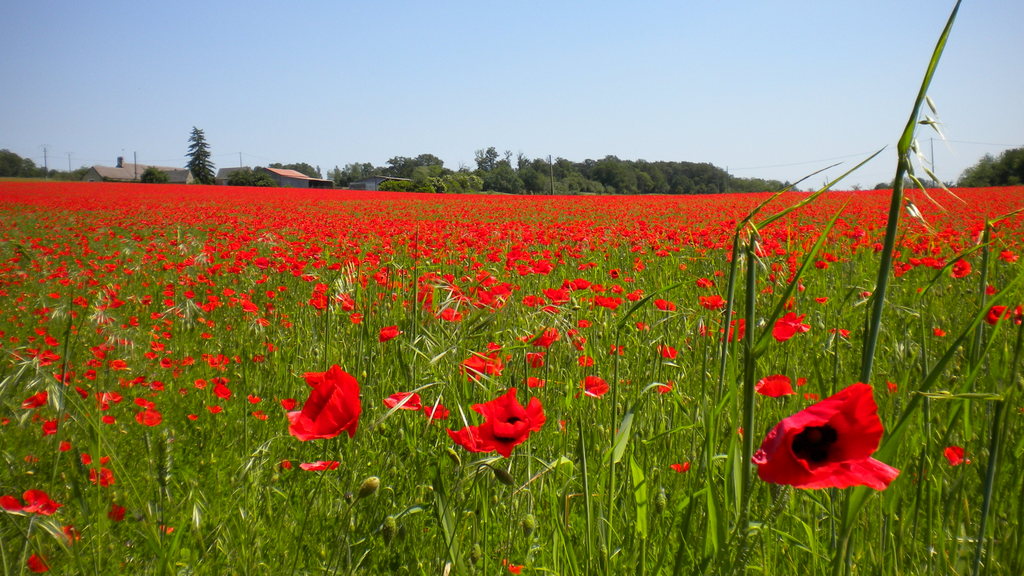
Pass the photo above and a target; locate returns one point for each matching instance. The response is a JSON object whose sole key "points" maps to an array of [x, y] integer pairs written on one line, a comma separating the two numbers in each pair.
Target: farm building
{"points": [[223, 174], [295, 179], [129, 172], [373, 182]]}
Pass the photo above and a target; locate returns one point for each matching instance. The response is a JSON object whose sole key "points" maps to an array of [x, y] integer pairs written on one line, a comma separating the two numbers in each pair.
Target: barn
{"points": [[295, 179]]}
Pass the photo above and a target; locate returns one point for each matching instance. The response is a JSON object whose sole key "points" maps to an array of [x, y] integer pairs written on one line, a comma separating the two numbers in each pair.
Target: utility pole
{"points": [[551, 167], [932, 141], [46, 166], [135, 164], [69, 162], [240, 160]]}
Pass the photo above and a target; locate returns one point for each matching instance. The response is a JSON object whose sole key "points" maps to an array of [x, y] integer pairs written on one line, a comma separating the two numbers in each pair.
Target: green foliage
{"points": [[1006, 170], [403, 167], [397, 186], [351, 172], [500, 172], [486, 160], [304, 168], [199, 162], [250, 177], [503, 179], [154, 175], [14, 166], [461, 183]]}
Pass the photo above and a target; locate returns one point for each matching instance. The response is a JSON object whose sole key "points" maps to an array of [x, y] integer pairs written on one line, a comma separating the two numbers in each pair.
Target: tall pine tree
{"points": [[199, 162]]}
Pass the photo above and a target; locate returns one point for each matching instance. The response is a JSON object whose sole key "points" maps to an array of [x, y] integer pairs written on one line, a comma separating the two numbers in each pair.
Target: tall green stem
{"points": [[749, 379], [895, 204]]}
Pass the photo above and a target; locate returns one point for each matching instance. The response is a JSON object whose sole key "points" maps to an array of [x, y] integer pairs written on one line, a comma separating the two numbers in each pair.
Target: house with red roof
{"points": [[294, 179]]}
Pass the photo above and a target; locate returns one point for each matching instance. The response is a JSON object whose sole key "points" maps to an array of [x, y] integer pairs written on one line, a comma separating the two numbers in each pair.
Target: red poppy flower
{"points": [[507, 424], [546, 338], [103, 477], [609, 302], [595, 386], [221, 391], [479, 364], [37, 564], [828, 444], [436, 412], [788, 326], [450, 315], [320, 465], [737, 328], [333, 406], [996, 313], [149, 417], [116, 512], [36, 502], [35, 401], [388, 333], [715, 302], [667, 351], [955, 455], [774, 386], [403, 401], [665, 305], [680, 468], [961, 268]]}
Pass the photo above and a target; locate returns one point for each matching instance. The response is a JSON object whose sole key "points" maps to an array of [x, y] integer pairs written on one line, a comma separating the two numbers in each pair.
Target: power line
{"points": [[986, 144], [860, 155]]}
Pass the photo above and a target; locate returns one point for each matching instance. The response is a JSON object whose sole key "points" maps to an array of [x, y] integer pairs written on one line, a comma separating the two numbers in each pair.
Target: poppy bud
{"points": [[454, 456], [529, 524], [389, 529], [476, 554], [503, 476], [369, 487], [660, 501]]}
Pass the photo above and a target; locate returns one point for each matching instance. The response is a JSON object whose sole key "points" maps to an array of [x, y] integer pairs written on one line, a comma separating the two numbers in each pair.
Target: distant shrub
{"points": [[154, 175]]}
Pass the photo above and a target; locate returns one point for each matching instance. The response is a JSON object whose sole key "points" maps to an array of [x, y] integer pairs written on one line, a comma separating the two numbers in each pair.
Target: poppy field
{"points": [[199, 380]]}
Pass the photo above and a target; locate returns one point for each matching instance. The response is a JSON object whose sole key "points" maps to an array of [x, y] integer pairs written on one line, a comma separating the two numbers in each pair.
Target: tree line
{"points": [[519, 174], [14, 166], [1005, 170]]}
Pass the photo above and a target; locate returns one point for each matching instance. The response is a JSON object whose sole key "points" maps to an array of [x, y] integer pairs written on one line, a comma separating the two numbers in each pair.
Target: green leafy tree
{"points": [[250, 177], [403, 167], [154, 175], [486, 160], [397, 186], [1006, 170], [462, 182], [503, 179], [14, 166], [199, 162], [352, 172]]}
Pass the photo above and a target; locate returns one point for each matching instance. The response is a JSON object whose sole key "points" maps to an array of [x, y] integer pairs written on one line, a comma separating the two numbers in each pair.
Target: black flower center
{"points": [[813, 443]]}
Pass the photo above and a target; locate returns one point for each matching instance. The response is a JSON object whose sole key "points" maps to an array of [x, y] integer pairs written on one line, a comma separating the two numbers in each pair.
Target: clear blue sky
{"points": [[768, 89]]}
